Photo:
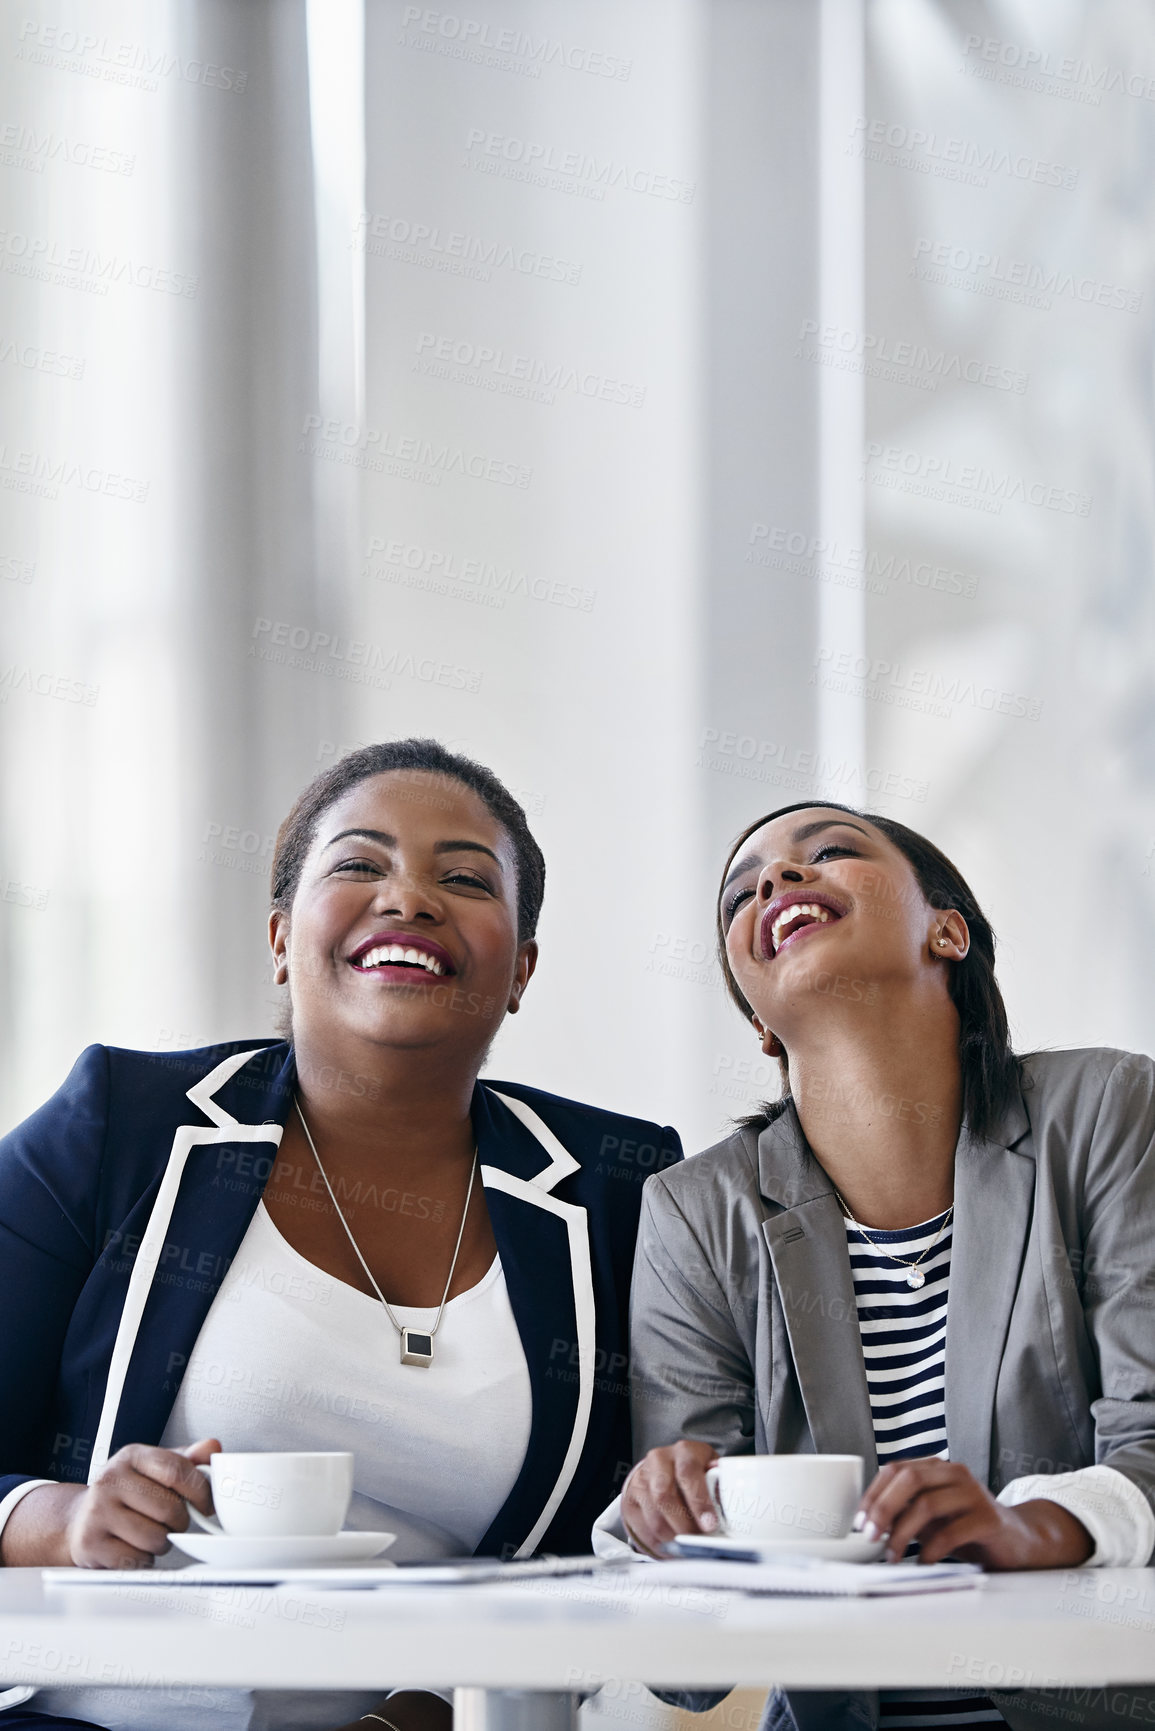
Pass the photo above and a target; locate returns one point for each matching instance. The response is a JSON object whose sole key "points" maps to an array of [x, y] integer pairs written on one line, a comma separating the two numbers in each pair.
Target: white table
{"points": [[566, 1637]]}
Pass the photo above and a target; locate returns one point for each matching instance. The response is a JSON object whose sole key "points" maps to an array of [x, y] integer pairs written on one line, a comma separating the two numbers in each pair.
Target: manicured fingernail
{"points": [[858, 1522], [872, 1532], [708, 1520]]}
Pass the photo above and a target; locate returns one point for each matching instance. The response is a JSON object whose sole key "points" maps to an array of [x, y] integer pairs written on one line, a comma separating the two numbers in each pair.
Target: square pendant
{"points": [[416, 1348]]}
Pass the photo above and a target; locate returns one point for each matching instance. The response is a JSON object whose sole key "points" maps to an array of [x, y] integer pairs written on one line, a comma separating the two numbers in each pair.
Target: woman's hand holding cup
{"points": [[788, 1499], [120, 1521], [941, 1505], [667, 1494], [123, 1518]]}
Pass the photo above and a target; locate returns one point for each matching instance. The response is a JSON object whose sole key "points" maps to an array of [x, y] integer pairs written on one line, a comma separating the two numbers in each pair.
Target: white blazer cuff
{"points": [[1113, 1509], [609, 1536], [8, 1503]]}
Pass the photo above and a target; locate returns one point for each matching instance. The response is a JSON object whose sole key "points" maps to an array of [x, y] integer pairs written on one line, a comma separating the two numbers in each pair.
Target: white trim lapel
{"points": [[562, 1162], [536, 1191], [186, 1138]]}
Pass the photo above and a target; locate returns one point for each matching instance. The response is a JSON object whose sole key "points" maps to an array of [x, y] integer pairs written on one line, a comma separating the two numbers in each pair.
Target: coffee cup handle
{"points": [[207, 1523], [712, 1487]]}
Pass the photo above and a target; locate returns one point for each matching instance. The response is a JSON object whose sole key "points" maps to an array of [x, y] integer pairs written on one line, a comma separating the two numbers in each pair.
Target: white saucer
{"points": [[228, 1552], [854, 1548]]}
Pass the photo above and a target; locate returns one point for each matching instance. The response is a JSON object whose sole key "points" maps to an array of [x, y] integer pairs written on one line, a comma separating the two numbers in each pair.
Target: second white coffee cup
{"points": [[786, 1497], [278, 1495]]}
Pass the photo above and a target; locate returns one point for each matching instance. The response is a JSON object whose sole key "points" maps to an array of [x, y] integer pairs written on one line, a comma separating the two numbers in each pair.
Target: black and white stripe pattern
{"points": [[903, 1333], [903, 1330]]}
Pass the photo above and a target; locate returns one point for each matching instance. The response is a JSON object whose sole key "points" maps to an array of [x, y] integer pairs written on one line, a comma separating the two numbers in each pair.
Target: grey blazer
{"points": [[744, 1328]]}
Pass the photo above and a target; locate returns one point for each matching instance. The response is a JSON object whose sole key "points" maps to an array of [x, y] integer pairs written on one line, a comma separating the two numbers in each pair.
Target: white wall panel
{"points": [[684, 407]]}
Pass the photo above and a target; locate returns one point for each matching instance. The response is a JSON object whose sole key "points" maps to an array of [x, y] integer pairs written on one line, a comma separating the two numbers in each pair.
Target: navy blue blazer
{"points": [[124, 1199]]}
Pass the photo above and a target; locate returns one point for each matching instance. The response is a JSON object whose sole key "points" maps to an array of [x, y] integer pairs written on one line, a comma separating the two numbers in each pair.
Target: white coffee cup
{"points": [[275, 1495], [767, 1497]]}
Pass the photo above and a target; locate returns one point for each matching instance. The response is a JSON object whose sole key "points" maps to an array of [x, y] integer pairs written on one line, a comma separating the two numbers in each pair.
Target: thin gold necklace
{"points": [[916, 1277], [416, 1343]]}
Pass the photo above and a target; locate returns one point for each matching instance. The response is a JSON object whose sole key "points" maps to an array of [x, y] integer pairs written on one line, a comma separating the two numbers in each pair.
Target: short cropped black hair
{"points": [[429, 756]]}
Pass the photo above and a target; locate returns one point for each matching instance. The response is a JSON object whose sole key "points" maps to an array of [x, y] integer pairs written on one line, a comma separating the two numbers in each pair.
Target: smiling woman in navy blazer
{"points": [[406, 888]]}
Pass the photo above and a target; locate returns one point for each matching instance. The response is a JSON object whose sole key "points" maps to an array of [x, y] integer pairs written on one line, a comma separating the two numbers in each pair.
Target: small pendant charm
{"points": [[417, 1347], [916, 1278]]}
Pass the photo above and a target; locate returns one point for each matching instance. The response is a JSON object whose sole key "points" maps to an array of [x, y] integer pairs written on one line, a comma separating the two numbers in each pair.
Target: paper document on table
{"points": [[801, 1577], [464, 1571], [810, 1578]]}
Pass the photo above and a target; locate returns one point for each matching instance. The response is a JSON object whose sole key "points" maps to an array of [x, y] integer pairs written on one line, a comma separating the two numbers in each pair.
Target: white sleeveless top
{"points": [[289, 1358]]}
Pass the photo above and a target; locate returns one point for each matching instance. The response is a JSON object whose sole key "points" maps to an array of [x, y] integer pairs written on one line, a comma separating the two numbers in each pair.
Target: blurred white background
{"points": [[685, 406]]}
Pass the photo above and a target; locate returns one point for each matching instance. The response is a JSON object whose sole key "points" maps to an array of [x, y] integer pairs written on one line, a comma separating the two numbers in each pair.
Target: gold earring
{"points": [[770, 1043]]}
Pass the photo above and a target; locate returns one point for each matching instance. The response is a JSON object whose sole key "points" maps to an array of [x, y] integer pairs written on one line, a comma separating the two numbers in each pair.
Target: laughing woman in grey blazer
{"points": [[930, 1252]]}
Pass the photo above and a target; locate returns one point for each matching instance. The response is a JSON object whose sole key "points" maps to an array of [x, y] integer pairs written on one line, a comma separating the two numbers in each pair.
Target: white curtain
{"points": [[1009, 151], [160, 238]]}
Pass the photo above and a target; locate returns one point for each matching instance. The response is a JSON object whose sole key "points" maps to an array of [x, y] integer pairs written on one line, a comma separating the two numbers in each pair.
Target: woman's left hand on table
{"points": [[943, 1507]]}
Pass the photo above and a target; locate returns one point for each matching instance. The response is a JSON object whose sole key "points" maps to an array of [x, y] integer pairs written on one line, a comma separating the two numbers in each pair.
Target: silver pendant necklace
{"points": [[915, 1277], [416, 1343]]}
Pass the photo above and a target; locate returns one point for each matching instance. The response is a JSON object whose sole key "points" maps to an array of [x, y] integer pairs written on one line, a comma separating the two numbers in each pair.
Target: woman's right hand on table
{"points": [[119, 1521], [667, 1494]]}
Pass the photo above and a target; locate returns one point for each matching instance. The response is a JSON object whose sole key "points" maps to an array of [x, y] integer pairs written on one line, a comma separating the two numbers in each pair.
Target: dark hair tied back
{"points": [[990, 1069]]}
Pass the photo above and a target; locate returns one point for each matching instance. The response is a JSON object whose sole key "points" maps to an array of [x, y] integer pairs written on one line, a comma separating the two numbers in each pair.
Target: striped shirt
{"points": [[903, 1330]]}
